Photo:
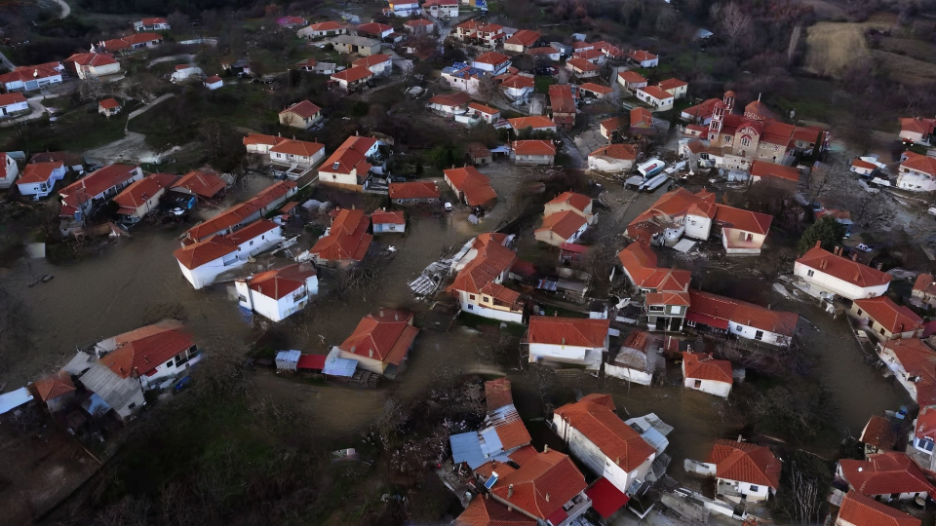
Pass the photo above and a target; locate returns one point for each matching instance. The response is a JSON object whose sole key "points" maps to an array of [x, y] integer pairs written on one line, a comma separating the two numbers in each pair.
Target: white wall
{"points": [[12, 172], [746, 331], [601, 163], [167, 370], [824, 282], [205, 275], [915, 181], [709, 386], [746, 488], [12, 108], [698, 227], [299, 159], [474, 307], [626, 373]]}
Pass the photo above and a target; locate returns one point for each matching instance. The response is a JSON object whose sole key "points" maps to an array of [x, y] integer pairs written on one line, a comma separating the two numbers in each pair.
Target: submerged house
{"points": [[568, 340], [381, 343], [480, 273], [278, 294]]}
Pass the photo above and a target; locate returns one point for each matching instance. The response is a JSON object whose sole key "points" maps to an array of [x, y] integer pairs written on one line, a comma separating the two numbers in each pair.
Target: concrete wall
{"points": [[821, 281]]}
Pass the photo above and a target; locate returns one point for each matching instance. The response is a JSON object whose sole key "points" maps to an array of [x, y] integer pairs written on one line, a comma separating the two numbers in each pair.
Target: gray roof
{"points": [[354, 40], [116, 391], [79, 363]]}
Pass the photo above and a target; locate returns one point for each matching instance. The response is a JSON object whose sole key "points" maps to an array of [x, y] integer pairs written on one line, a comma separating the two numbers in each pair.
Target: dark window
{"points": [[759, 335]]}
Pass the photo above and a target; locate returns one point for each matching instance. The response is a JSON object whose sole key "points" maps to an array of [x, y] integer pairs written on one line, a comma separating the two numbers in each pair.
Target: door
{"points": [[674, 324], [661, 323]]}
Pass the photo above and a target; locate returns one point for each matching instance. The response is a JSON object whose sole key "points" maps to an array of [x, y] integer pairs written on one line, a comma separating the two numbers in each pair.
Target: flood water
{"points": [[136, 280]]}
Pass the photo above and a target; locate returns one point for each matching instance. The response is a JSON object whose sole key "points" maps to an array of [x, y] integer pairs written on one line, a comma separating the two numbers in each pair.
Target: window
{"points": [[759, 335], [470, 307], [656, 308], [859, 312], [241, 298], [698, 384], [754, 489], [810, 273], [882, 331], [471, 297]]}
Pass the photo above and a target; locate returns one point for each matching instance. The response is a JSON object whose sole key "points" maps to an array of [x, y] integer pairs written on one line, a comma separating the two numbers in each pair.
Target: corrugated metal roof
{"points": [[466, 447], [288, 360], [116, 391], [13, 399], [335, 366]]}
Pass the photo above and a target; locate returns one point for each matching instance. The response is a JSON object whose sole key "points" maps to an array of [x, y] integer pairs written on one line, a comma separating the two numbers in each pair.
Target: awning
{"points": [[311, 361], [606, 499], [707, 320]]}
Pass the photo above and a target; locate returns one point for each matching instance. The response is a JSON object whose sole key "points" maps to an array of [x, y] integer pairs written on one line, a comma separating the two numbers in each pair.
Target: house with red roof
{"points": [[582, 69], [923, 440], [666, 290], [517, 88], [825, 272], [917, 172], [128, 44], [859, 510], [388, 221], [580, 341], [522, 40], [419, 26], [492, 62], [85, 195], [449, 104], [38, 179], [379, 64], [924, 287], [631, 80], [774, 173], [92, 65], [374, 30], [675, 87], [482, 511], [353, 77], [913, 363], [704, 373], [152, 24], [862, 167], [412, 193], [328, 28], [574, 202], [479, 279], [12, 104], [31, 78], [488, 114], [444, 9], [887, 320], [741, 319], [56, 391], [655, 97], [203, 261], [348, 167], [889, 475], [744, 472], [204, 185], [109, 107], [536, 123], [260, 144], [346, 242], [142, 197], [381, 343], [150, 354], [615, 158], [677, 213], [563, 105], [240, 215], [280, 293], [533, 152], [547, 488], [608, 127], [878, 435], [916, 130], [471, 186], [302, 114], [295, 158], [644, 59], [743, 232], [595, 90], [601, 441], [561, 228]]}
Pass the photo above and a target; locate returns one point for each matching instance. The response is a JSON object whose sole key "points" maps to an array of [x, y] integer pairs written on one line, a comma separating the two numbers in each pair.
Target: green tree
{"points": [[826, 229]]}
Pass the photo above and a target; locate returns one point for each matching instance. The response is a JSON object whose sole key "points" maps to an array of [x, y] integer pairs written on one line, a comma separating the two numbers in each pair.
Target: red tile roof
{"points": [[350, 156], [894, 318], [561, 99], [765, 169], [577, 201], [920, 163], [259, 138], [589, 54], [141, 352], [548, 473], [386, 337], [632, 77], [94, 184], [347, 239], [843, 268], [626, 152], [574, 332], [27, 73], [492, 260], [139, 192], [537, 122], [640, 55], [493, 58], [656, 92], [372, 60], [202, 252], [153, 21], [925, 283], [518, 82], [373, 28], [279, 283], [419, 22], [918, 360], [720, 307], [328, 25], [524, 37], [382, 217], [299, 148], [582, 65], [90, 59], [669, 84], [678, 203], [534, 147], [564, 224], [353, 74], [611, 124], [475, 185], [858, 163], [54, 386], [545, 50], [641, 263], [303, 108], [879, 432], [237, 213], [884, 474], [918, 125], [740, 219], [641, 118], [202, 184], [414, 190], [497, 393], [593, 416], [702, 367], [482, 511], [483, 109], [38, 172], [859, 510], [926, 423], [595, 88], [453, 100], [109, 104], [745, 462], [129, 41]]}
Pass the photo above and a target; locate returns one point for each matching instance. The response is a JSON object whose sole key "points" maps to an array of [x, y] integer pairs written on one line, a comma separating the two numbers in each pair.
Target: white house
{"points": [[913, 364], [689, 214], [703, 373], [328, 28], [380, 344], [887, 320], [518, 88], [741, 319], [521, 41], [92, 65], [348, 166], [487, 113], [352, 77], [152, 24], [917, 129], [9, 171], [631, 80], [571, 201], [452, 104], [582, 68], [862, 167], [655, 97], [150, 354], [890, 475], [278, 294], [38, 179], [142, 197], [675, 87], [492, 62], [31, 78], [303, 114], [924, 439], [260, 144], [214, 82], [302, 154], [444, 9], [744, 472], [203, 261], [601, 441], [384, 222], [644, 58], [480, 272], [12, 103], [185, 72], [917, 172], [560, 228], [93, 190], [825, 272], [613, 159], [535, 152], [404, 8], [568, 340], [379, 64]]}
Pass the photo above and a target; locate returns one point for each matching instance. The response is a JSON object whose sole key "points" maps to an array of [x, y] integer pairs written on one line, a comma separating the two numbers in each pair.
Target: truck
{"points": [[651, 167]]}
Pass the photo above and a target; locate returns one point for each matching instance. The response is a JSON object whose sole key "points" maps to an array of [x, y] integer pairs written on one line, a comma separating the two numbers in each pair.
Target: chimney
{"points": [[510, 491], [740, 439], [370, 353], [546, 448], [547, 497], [879, 265], [818, 243], [855, 256]]}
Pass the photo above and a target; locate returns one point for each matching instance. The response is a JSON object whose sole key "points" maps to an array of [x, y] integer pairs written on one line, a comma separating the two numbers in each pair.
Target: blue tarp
{"points": [[96, 406], [466, 447]]}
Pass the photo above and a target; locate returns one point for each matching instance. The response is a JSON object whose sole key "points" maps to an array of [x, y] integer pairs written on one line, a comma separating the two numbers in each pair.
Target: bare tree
{"points": [[735, 22]]}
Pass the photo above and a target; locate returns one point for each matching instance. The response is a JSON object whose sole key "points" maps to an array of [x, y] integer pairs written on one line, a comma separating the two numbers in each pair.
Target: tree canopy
{"points": [[826, 229]]}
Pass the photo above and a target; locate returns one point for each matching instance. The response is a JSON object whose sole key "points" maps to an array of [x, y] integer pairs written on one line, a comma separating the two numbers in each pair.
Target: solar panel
{"points": [[489, 483]]}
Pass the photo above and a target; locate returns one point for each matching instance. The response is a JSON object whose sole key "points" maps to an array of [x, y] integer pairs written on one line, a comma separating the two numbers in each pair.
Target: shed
{"points": [[287, 360], [311, 362]]}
